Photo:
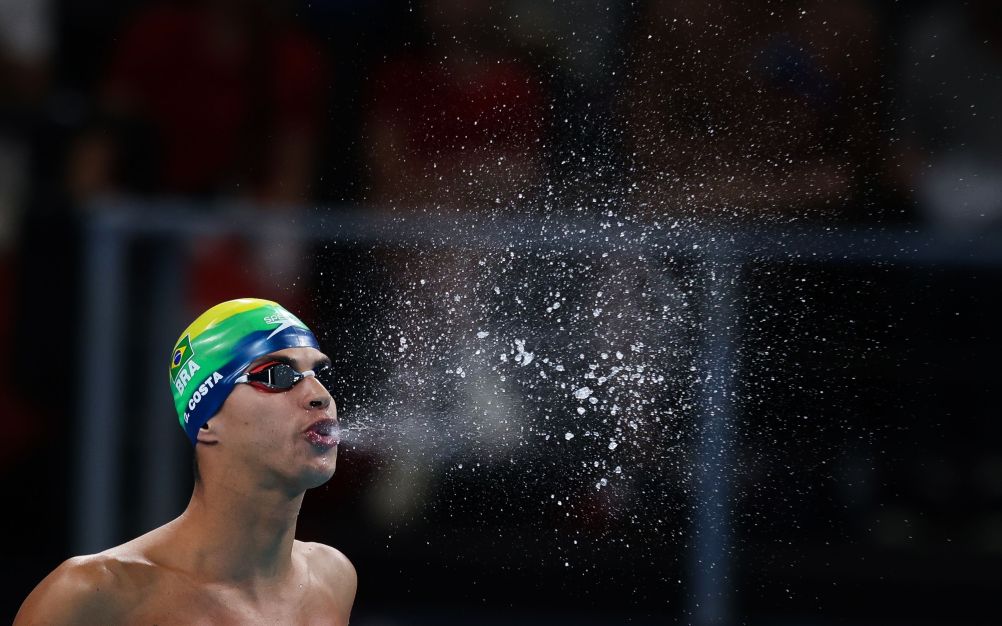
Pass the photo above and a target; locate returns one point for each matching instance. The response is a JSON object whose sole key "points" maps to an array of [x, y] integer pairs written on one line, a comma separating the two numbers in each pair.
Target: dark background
{"points": [[865, 468]]}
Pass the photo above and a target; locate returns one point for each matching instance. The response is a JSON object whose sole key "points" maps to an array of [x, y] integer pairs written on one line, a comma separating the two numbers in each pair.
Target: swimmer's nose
{"points": [[320, 401], [317, 397]]}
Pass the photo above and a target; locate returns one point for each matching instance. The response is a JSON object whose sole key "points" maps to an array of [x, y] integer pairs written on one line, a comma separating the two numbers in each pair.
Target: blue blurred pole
{"points": [[710, 568], [161, 462], [96, 495]]}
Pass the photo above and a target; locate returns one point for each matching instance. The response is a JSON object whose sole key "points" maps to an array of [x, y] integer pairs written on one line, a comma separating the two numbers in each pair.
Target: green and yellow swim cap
{"points": [[219, 345]]}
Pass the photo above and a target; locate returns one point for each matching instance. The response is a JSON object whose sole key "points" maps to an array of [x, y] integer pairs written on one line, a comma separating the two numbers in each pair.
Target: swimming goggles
{"points": [[279, 376]]}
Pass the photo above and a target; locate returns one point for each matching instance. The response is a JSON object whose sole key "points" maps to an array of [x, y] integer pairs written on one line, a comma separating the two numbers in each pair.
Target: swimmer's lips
{"points": [[323, 433]]}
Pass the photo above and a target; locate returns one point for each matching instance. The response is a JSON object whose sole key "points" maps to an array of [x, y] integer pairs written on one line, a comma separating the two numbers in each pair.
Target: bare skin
{"points": [[231, 557]]}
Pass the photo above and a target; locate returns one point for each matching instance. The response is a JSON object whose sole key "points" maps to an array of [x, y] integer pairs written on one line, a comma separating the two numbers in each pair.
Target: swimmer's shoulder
{"points": [[332, 568], [97, 588]]}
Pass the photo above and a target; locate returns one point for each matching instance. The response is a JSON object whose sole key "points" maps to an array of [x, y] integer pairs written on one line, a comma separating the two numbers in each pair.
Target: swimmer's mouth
{"points": [[323, 433]]}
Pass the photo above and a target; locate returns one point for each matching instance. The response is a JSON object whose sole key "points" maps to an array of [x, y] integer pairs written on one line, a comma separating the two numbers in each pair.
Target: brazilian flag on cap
{"points": [[182, 354], [219, 345]]}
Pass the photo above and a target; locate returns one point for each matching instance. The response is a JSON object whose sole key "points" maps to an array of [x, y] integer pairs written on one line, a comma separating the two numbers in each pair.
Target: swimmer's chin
{"points": [[322, 469]]}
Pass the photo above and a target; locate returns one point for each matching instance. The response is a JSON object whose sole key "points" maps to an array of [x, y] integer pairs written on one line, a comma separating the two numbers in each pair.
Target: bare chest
{"points": [[169, 605]]}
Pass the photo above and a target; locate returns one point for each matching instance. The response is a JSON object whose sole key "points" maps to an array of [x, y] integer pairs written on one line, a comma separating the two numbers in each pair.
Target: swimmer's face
{"points": [[285, 433]]}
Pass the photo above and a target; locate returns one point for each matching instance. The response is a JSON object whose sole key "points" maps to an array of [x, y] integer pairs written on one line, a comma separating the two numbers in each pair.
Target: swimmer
{"points": [[250, 388]]}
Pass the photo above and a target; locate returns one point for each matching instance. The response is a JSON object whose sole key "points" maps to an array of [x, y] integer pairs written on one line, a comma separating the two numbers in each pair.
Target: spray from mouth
{"points": [[362, 435], [576, 390]]}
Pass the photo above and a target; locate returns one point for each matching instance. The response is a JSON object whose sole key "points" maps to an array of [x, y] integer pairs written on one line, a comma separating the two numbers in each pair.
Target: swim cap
{"points": [[219, 346]]}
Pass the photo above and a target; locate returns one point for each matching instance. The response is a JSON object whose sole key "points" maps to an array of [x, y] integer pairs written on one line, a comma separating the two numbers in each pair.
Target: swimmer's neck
{"points": [[227, 535]]}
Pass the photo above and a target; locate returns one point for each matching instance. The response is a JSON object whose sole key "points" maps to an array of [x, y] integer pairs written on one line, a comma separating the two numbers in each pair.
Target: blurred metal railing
{"points": [[114, 226]]}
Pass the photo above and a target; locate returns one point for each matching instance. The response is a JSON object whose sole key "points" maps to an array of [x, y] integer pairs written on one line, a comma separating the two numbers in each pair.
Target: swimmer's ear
{"points": [[206, 434]]}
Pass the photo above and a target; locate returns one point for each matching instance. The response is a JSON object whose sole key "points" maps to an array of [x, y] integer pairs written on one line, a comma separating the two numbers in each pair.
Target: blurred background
{"points": [[645, 312]]}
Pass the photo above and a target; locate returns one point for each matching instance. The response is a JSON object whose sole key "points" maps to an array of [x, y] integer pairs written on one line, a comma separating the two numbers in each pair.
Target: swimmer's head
{"points": [[218, 346]]}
